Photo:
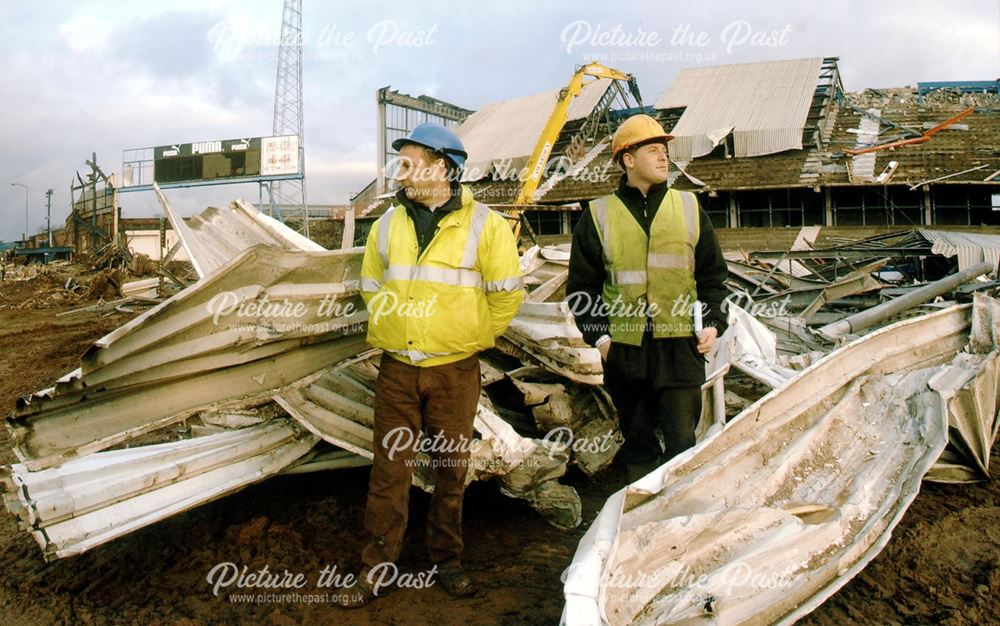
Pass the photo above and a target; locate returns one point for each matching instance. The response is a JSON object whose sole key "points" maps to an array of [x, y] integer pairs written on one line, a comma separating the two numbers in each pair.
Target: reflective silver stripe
{"points": [[506, 284], [691, 215], [670, 261], [416, 356], [630, 277], [447, 276], [458, 278], [480, 213], [599, 209], [383, 235], [397, 272], [463, 277], [369, 284]]}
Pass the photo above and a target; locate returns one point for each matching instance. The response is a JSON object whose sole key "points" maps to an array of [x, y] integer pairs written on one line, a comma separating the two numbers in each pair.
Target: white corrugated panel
{"points": [[970, 248], [215, 236], [863, 165], [799, 491], [510, 129], [91, 500], [766, 104]]}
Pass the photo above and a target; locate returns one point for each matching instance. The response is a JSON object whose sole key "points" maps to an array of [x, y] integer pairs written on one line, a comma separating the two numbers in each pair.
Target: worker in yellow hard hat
{"points": [[646, 286], [441, 279]]}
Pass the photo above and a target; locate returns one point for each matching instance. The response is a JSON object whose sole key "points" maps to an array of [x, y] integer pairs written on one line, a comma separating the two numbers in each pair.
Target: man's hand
{"points": [[603, 349], [706, 339]]}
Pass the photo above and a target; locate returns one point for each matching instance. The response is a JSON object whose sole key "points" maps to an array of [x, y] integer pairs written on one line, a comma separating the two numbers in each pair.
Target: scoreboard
{"points": [[226, 159]]}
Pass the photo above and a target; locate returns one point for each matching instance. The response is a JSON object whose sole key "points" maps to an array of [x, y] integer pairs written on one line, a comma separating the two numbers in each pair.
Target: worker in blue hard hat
{"points": [[441, 280], [438, 139]]}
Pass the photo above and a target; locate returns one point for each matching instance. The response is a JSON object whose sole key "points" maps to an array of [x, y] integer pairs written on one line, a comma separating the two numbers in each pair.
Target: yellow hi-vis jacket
{"points": [[649, 276], [452, 301]]}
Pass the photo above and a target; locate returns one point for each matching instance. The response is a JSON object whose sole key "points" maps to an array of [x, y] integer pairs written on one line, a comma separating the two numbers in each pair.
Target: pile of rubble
{"points": [[216, 388], [939, 98], [883, 356], [791, 308], [801, 303], [113, 279], [61, 283], [765, 521]]}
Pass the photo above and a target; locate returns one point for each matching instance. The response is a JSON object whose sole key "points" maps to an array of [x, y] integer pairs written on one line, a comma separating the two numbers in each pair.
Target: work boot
{"points": [[456, 582], [358, 594]]}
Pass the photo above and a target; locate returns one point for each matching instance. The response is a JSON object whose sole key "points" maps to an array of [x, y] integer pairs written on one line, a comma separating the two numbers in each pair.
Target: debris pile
{"points": [[879, 366], [807, 302], [937, 99], [216, 388], [766, 520], [103, 279], [805, 294], [60, 283], [882, 358]]}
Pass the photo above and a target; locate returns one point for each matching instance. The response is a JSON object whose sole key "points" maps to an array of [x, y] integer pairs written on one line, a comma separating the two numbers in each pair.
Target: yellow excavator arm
{"points": [[557, 119]]}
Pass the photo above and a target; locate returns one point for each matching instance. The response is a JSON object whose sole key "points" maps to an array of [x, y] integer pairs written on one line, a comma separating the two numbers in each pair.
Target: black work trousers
{"points": [[645, 407]]}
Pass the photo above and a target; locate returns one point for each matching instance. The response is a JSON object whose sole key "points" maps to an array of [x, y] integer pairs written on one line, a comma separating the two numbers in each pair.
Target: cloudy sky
{"points": [[104, 76]]}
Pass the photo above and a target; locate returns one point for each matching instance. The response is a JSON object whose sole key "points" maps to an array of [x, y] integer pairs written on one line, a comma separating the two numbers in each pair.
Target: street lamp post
{"points": [[24, 237], [48, 213]]}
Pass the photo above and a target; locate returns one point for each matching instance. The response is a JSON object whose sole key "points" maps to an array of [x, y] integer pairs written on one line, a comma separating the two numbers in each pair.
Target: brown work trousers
{"points": [[439, 399]]}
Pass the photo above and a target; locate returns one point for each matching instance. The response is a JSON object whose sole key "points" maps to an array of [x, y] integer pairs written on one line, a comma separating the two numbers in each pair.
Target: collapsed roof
{"points": [[787, 124], [775, 125]]}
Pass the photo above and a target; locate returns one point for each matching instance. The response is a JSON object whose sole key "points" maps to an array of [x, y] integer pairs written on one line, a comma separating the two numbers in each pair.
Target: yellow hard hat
{"points": [[635, 130]]}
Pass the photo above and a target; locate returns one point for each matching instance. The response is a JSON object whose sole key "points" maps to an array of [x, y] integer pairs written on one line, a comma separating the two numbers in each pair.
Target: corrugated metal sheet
{"points": [[215, 341], [183, 357], [970, 248], [544, 333], [766, 520], [969, 387], [510, 129], [765, 103], [863, 165], [215, 236], [92, 500], [337, 405]]}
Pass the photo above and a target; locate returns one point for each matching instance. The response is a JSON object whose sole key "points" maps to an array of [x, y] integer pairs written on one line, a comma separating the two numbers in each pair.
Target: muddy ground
{"points": [[942, 565]]}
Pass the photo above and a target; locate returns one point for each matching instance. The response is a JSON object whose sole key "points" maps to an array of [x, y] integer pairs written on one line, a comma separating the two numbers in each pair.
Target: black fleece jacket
{"points": [[673, 362]]}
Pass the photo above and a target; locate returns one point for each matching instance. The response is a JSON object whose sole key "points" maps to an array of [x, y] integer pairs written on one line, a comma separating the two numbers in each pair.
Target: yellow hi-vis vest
{"points": [[452, 300], [649, 276]]}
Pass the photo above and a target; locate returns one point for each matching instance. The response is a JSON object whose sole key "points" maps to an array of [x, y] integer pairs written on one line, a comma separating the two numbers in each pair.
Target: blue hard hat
{"points": [[439, 139]]}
